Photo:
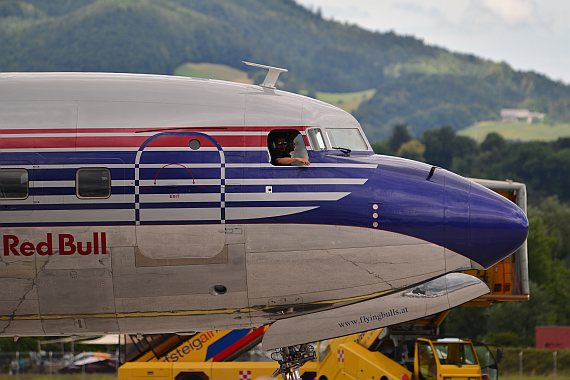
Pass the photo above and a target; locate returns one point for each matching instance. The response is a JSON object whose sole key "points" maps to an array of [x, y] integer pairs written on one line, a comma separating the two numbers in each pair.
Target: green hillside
{"points": [[213, 71], [411, 82], [348, 101], [518, 131]]}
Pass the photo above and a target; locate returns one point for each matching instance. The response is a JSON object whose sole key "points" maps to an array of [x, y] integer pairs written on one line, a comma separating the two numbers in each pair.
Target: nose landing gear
{"points": [[291, 358]]}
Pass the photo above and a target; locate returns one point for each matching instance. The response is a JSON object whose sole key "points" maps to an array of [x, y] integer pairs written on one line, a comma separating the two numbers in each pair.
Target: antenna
{"points": [[272, 74]]}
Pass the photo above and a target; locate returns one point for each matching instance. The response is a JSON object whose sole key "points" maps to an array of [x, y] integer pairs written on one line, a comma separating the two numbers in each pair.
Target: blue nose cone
{"points": [[479, 223], [448, 210], [497, 226]]}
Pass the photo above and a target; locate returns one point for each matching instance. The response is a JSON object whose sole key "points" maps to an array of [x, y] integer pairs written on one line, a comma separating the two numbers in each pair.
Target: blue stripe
{"points": [[200, 189], [70, 224], [162, 157], [192, 189], [225, 342], [179, 205], [166, 157], [100, 205], [179, 222], [291, 188], [39, 191], [52, 158], [69, 174], [179, 173]]}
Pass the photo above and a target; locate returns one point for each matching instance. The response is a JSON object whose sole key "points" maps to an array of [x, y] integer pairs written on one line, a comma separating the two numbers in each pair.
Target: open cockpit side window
{"points": [[287, 148], [316, 138]]}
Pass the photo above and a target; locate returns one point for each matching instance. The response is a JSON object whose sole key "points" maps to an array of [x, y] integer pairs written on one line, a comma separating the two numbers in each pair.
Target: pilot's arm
{"points": [[284, 161]]}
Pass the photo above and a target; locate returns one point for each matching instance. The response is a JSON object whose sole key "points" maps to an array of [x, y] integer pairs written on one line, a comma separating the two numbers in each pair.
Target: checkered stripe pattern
{"points": [[244, 375], [341, 356]]}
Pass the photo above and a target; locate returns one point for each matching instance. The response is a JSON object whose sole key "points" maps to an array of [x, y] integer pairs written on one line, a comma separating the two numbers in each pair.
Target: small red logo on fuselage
{"points": [[66, 245]]}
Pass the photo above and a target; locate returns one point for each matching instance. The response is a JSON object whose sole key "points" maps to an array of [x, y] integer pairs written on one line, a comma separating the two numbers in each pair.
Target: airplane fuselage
{"points": [[143, 204]]}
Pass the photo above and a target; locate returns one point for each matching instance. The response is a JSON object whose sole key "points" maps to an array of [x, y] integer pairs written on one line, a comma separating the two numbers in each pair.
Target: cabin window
{"points": [[93, 183], [349, 138], [286, 143], [455, 353], [426, 362], [316, 138], [13, 183]]}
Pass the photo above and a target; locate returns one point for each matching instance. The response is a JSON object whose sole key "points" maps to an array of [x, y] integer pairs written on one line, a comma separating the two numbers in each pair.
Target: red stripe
{"points": [[239, 344], [157, 130], [128, 141], [44, 142]]}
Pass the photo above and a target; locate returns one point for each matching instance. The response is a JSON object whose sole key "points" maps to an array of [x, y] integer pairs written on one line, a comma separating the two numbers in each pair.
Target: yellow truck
{"points": [[379, 355], [376, 354]]}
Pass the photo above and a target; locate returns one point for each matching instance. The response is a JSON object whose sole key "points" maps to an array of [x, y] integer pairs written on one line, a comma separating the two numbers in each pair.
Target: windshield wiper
{"points": [[343, 150]]}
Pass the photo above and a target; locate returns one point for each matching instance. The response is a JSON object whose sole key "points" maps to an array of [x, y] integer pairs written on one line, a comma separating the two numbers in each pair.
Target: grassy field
{"points": [[348, 101], [519, 131], [114, 377], [56, 376], [533, 378], [212, 71]]}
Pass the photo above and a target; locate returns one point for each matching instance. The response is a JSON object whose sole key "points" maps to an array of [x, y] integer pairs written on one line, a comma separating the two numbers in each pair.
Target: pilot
{"points": [[282, 153]]}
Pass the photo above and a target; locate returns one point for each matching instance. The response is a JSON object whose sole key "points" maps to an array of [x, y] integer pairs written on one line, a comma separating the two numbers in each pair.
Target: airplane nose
{"points": [[448, 210], [496, 226]]}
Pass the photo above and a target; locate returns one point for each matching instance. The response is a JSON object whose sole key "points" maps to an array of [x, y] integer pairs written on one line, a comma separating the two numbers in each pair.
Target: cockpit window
{"points": [[287, 148], [349, 138], [316, 138]]}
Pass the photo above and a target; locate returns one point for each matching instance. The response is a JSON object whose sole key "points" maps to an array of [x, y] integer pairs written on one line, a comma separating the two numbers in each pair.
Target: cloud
{"points": [[512, 12]]}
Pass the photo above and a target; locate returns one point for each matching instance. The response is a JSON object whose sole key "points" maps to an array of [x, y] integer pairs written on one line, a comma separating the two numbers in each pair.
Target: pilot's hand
{"points": [[304, 161]]}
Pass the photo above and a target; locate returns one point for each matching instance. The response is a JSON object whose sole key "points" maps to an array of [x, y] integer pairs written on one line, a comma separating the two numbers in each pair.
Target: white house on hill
{"points": [[514, 114]]}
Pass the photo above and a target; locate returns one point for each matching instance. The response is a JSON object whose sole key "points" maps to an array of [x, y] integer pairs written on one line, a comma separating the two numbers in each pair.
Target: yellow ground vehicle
{"points": [[203, 356], [377, 354], [402, 352], [380, 355]]}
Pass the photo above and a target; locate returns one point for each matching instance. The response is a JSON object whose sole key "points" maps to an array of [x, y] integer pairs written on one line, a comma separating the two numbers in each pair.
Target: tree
{"points": [[439, 146], [413, 149], [513, 323], [465, 152], [400, 135], [381, 147], [493, 142]]}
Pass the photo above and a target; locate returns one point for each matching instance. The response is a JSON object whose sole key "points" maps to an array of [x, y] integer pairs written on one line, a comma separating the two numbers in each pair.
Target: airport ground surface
{"points": [[114, 377]]}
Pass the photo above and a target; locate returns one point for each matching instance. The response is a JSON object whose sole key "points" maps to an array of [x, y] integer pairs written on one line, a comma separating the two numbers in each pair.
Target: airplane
{"points": [[139, 204]]}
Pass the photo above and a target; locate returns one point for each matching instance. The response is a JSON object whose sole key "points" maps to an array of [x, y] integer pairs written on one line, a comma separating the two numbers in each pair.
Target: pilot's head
{"points": [[282, 144]]}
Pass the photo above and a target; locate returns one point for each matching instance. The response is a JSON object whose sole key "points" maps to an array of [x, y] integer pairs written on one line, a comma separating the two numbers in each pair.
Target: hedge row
{"points": [[534, 361]]}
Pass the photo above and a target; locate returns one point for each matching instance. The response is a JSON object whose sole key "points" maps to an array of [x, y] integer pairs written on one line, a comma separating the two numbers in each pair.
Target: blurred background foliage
{"points": [[414, 100]]}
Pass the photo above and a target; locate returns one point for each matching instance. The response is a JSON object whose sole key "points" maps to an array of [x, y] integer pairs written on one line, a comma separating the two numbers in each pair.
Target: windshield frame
{"points": [[329, 131]]}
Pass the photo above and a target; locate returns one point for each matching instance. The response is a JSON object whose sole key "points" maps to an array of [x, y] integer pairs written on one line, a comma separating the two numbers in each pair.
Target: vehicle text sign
{"points": [[55, 244]]}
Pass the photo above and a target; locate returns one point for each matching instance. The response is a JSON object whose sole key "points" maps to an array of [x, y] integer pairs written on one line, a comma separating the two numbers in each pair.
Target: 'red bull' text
{"points": [[59, 244]]}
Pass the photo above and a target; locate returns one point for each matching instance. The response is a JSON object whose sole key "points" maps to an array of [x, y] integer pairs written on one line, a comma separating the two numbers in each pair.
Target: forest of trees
{"points": [[422, 85], [545, 168]]}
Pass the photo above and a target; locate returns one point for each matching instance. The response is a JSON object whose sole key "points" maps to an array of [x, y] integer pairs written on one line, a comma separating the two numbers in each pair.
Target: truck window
{"points": [[426, 362], [455, 353]]}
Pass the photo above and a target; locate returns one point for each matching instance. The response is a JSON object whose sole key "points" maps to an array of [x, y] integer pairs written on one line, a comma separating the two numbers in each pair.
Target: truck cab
{"points": [[445, 359]]}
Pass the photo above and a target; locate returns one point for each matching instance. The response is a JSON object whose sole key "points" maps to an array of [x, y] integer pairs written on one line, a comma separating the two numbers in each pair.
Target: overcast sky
{"points": [[527, 34]]}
